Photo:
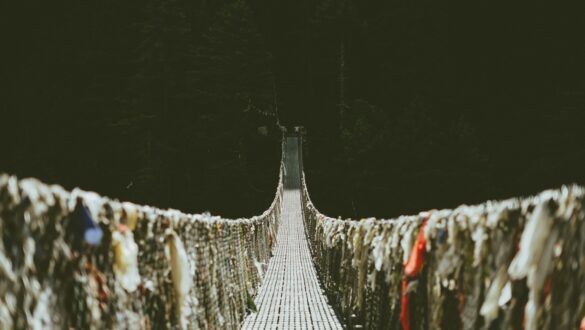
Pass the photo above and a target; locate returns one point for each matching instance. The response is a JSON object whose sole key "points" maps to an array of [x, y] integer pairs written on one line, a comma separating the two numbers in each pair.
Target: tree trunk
{"points": [[341, 80]]}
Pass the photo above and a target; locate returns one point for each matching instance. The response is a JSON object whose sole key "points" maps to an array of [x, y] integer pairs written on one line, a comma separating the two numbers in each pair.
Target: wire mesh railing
{"points": [[77, 260], [518, 263]]}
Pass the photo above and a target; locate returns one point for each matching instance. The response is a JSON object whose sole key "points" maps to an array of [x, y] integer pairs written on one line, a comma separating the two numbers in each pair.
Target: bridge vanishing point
{"points": [[291, 297]]}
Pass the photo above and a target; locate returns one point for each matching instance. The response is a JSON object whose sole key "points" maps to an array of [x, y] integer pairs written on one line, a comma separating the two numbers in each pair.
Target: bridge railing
{"points": [[78, 260], [518, 263]]}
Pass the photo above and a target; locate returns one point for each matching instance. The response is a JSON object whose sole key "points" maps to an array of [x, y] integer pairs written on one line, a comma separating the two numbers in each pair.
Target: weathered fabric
{"points": [[518, 263], [76, 260]]}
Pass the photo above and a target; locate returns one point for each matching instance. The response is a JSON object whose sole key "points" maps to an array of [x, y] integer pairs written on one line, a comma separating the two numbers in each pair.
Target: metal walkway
{"points": [[290, 296]]}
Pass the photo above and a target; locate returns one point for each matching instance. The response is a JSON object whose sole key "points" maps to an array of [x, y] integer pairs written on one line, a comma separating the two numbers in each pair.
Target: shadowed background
{"points": [[407, 105]]}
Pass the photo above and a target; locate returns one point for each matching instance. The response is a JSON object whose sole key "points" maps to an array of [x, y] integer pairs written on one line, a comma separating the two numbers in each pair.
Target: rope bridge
{"points": [[291, 297], [77, 260]]}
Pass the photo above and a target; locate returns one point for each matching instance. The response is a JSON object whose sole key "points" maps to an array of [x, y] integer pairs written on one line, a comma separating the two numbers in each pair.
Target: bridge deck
{"points": [[290, 296]]}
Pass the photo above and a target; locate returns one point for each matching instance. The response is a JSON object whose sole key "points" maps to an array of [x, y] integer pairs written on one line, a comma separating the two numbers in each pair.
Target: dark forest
{"points": [[407, 105]]}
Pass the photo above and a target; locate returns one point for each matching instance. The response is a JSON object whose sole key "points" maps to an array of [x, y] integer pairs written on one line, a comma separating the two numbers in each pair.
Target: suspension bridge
{"points": [[77, 260], [291, 297]]}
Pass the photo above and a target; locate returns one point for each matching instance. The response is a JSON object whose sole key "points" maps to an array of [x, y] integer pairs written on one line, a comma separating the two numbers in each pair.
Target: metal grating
{"points": [[290, 296]]}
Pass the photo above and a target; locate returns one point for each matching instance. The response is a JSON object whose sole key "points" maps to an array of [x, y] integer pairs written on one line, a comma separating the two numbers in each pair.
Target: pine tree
{"points": [[334, 20], [233, 66]]}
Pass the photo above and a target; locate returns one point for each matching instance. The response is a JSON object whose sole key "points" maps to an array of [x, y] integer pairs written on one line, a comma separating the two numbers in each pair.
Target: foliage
{"points": [[408, 105]]}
